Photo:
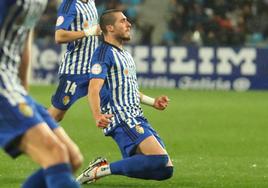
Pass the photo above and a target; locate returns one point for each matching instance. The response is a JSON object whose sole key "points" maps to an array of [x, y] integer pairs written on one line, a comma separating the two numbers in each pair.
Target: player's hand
{"points": [[161, 102], [103, 120], [91, 29]]}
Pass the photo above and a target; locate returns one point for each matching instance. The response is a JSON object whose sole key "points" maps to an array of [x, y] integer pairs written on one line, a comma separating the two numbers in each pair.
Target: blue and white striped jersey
{"points": [[17, 17], [120, 92], [72, 16]]}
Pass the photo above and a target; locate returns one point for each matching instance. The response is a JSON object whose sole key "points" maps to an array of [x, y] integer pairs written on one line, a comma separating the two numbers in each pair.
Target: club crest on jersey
{"points": [[60, 20], [96, 69], [139, 129], [66, 100], [26, 110], [126, 72], [85, 24], [129, 71]]}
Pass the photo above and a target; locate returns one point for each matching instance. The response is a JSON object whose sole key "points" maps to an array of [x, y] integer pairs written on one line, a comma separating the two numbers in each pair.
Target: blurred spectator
{"points": [[183, 22], [45, 28]]}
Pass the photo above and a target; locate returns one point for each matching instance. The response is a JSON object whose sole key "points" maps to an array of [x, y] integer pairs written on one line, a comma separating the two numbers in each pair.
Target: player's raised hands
{"points": [[103, 120], [161, 102]]}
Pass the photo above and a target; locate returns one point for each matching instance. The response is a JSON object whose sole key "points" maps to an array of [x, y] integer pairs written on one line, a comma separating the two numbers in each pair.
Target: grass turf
{"points": [[215, 139]]}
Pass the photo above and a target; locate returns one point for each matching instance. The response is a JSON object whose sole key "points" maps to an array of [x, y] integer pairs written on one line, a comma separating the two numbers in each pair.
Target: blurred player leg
{"points": [[74, 153], [37, 179], [73, 150], [43, 146]]}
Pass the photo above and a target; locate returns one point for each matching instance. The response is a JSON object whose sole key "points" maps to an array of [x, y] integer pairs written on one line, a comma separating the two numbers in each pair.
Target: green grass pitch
{"points": [[215, 139]]}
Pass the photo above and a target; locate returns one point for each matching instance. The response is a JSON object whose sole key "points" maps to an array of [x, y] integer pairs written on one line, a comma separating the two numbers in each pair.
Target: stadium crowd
{"points": [[183, 22]]}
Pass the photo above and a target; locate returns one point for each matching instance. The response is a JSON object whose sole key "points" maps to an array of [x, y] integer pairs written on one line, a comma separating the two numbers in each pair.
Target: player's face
{"points": [[122, 27]]}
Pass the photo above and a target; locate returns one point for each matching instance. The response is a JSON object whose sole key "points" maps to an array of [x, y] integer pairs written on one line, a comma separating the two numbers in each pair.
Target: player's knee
{"points": [[158, 161], [165, 173], [58, 117], [154, 162], [169, 172], [56, 114], [58, 151], [77, 161], [76, 157]]}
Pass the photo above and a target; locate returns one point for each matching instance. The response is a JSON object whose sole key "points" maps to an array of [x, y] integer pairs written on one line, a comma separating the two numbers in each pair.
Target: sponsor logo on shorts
{"points": [[66, 100], [26, 110], [139, 129]]}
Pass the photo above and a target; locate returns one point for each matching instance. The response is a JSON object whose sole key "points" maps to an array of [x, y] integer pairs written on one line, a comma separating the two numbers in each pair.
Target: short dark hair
{"points": [[107, 18]]}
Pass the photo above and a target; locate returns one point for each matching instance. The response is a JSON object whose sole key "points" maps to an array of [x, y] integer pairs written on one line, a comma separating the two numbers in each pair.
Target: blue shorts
{"points": [[70, 88], [128, 138], [16, 120]]}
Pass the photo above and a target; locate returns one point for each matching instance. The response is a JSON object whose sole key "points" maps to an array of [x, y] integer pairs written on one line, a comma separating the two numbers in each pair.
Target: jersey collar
{"points": [[113, 46]]}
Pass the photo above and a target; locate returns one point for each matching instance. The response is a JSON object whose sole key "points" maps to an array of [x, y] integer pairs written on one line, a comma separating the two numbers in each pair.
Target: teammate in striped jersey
{"points": [[77, 25], [25, 126], [115, 102]]}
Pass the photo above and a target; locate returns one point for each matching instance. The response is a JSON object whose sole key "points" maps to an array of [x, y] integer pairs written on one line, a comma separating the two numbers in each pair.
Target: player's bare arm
{"points": [[159, 103], [65, 36], [102, 120], [25, 62]]}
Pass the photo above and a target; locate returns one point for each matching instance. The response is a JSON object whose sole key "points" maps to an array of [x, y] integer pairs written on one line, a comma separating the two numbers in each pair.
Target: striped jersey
{"points": [[17, 18], [72, 16], [120, 92]]}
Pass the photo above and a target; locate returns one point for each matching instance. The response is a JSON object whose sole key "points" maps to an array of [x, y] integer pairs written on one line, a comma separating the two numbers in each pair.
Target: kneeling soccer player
{"points": [[115, 102]]}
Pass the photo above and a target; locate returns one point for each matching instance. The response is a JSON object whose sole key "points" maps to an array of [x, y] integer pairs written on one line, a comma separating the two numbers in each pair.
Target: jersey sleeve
{"points": [[100, 65], [66, 14]]}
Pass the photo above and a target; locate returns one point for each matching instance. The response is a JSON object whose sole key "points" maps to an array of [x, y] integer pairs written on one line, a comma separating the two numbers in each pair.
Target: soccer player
{"points": [[25, 126], [77, 25], [115, 102]]}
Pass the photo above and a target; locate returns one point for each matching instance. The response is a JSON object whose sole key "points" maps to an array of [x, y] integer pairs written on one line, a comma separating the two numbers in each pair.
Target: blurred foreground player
{"points": [[25, 126], [115, 102]]}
